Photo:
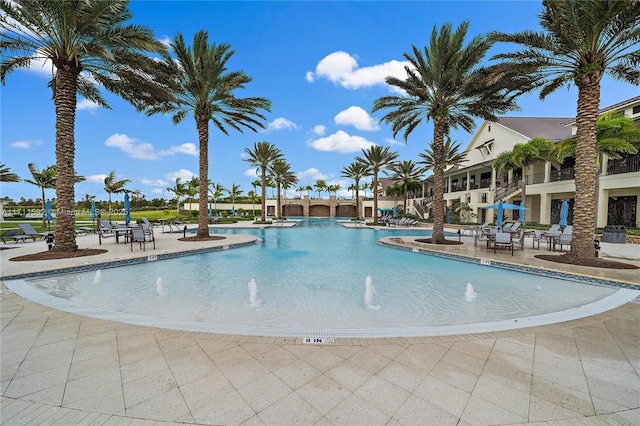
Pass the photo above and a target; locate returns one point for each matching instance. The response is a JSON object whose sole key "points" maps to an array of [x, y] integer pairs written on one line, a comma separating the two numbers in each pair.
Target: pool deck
{"points": [[62, 368]]}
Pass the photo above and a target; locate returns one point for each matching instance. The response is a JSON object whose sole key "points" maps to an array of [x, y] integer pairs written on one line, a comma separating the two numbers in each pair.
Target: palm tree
{"points": [[376, 158], [263, 154], [6, 175], [179, 189], [216, 191], [405, 171], [320, 186], [193, 188], [333, 188], [234, 192], [89, 47], [446, 84], [308, 188], [43, 179], [113, 186], [395, 191], [280, 172], [205, 88], [616, 135], [581, 41], [253, 196], [523, 155]]}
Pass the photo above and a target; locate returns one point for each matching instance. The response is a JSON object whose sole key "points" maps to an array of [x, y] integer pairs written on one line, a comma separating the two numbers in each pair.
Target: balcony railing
{"points": [[563, 174], [625, 165]]}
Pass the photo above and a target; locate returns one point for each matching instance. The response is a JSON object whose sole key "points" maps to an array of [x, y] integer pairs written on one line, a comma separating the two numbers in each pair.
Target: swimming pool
{"points": [[321, 279]]}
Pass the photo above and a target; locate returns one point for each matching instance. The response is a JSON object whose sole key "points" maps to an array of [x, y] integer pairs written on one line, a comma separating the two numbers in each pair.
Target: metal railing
{"points": [[503, 191], [563, 174], [625, 165]]}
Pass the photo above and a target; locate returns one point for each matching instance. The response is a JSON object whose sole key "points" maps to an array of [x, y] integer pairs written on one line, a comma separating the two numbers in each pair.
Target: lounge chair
{"points": [[503, 240], [550, 234], [514, 227], [138, 236], [537, 236], [30, 231], [105, 230], [9, 234]]}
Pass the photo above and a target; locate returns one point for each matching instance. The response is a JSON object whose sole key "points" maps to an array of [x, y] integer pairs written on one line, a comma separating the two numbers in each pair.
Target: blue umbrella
{"points": [[93, 210], [47, 210], [564, 213], [499, 213], [127, 208], [521, 216]]}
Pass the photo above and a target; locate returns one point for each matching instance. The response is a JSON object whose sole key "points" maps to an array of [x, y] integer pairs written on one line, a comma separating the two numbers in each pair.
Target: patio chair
{"points": [[105, 230], [563, 240], [518, 239], [537, 236], [514, 227], [503, 240], [138, 236], [30, 231]]}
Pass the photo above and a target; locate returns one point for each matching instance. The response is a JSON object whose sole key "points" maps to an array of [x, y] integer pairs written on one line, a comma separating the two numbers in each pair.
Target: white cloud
{"points": [[145, 150], [26, 143], [252, 173], [341, 142], [154, 182], [87, 105], [357, 117], [96, 178], [319, 129], [394, 142], [342, 68], [311, 174], [184, 175], [282, 123], [157, 191], [186, 148]]}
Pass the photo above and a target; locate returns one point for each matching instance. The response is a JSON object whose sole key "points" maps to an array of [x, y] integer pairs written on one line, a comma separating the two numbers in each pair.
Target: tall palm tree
{"points": [[193, 188], [205, 88], [179, 189], [376, 158], [234, 192], [90, 47], [6, 175], [253, 196], [113, 186], [43, 179], [447, 84], [580, 42], [281, 173], [216, 191], [262, 155], [320, 186], [308, 188], [616, 135], [521, 156], [406, 171]]}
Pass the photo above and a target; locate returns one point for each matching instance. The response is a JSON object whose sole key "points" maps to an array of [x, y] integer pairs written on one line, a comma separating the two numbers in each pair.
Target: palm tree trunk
{"points": [[65, 103], [357, 201], [263, 178], [404, 197], [279, 213], [202, 123], [438, 187], [44, 209], [585, 168], [375, 196]]}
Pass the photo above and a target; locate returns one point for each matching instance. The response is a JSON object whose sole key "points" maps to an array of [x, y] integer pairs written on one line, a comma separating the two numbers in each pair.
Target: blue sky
{"points": [[322, 64]]}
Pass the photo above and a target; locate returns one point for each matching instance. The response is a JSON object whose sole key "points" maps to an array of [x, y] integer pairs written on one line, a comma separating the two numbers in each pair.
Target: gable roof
{"points": [[552, 128]]}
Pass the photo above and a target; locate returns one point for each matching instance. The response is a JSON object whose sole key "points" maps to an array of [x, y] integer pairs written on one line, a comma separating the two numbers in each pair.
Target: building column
{"points": [[468, 180], [547, 172], [494, 178], [603, 165], [602, 211], [545, 209], [448, 183]]}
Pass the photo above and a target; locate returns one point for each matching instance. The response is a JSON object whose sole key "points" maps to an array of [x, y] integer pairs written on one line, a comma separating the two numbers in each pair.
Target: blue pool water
{"points": [[311, 280]]}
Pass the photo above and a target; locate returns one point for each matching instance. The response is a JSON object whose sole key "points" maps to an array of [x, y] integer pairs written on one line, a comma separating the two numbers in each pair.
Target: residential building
{"points": [[476, 183]]}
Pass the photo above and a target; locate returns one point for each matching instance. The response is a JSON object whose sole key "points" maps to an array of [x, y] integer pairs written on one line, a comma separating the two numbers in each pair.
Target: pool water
{"points": [[319, 278]]}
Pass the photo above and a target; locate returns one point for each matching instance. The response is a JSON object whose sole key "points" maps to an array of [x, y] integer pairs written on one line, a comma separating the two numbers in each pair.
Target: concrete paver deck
{"points": [[61, 368]]}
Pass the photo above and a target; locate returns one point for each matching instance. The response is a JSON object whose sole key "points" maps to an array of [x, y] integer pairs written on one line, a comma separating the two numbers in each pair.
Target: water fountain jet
{"points": [[160, 290], [370, 294], [469, 294], [253, 293]]}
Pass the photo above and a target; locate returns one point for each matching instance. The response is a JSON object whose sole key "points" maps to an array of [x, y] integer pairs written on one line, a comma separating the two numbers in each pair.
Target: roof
{"points": [[552, 128]]}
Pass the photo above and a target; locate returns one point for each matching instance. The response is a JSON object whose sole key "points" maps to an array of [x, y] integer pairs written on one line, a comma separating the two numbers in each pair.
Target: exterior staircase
{"points": [[508, 191]]}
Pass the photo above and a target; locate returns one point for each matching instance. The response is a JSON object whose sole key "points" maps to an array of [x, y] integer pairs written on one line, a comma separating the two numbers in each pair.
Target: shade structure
{"points": [[93, 210], [499, 214], [127, 208], [501, 206], [564, 213]]}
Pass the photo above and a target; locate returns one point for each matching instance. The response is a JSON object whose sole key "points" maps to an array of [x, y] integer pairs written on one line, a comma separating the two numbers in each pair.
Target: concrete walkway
{"points": [[61, 368]]}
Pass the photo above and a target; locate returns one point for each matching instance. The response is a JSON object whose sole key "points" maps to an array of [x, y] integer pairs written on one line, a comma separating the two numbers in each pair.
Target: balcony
{"points": [[629, 164], [563, 174]]}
